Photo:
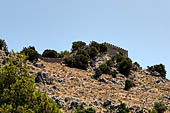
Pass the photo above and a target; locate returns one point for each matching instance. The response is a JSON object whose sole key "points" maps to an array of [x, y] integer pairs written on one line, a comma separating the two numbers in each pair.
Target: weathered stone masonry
{"points": [[113, 50]]}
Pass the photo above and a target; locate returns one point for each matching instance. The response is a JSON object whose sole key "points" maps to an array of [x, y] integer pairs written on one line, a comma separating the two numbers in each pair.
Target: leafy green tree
{"points": [[31, 53], [17, 90], [50, 53], [77, 45]]}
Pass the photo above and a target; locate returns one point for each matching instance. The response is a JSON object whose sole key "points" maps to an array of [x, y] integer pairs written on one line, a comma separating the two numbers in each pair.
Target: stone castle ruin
{"points": [[112, 50]]}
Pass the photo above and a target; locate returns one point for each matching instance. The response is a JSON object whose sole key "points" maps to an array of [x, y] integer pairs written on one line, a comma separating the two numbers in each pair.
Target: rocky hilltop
{"points": [[72, 88]]}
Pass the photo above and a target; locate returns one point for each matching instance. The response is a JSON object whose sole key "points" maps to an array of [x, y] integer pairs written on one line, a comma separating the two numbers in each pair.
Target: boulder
{"points": [[102, 80], [97, 103], [73, 104], [107, 103], [39, 65], [59, 101], [61, 81], [67, 99], [112, 107], [55, 88], [49, 81], [155, 73], [2, 53], [42, 77]]}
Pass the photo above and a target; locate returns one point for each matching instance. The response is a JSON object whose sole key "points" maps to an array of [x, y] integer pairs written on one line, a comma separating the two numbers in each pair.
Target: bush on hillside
{"points": [[110, 63], [2, 44], [122, 108], [82, 52], [128, 84], [159, 107], [77, 61], [31, 53], [95, 44], [93, 52], [63, 53], [50, 53], [77, 45], [105, 68], [17, 90], [90, 110], [124, 66], [98, 73], [81, 61], [158, 68], [103, 48], [118, 58]]}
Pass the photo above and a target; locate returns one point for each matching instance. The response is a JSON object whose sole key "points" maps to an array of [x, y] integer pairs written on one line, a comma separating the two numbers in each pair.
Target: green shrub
{"points": [[93, 52], [128, 84], [105, 69], [159, 68], [77, 61], [81, 61], [98, 73], [103, 48], [63, 53], [17, 90], [118, 58], [159, 107], [69, 61], [124, 66], [2, 44], [122, 108], [77, 45], [90, 110], [82, 52], [31, 53], [95, 44], [50, 53], [110, 63]]}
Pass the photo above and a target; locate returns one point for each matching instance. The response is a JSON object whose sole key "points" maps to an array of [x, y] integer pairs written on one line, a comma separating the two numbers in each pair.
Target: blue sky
{"points": [[140, 26]]}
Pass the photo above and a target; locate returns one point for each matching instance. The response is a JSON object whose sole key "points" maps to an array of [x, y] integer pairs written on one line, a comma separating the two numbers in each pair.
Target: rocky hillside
{"points": [[72, 88]]}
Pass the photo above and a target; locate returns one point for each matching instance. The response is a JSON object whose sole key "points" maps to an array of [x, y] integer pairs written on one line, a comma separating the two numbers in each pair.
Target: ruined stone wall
{"points": [[58, 60], [113, 50]]}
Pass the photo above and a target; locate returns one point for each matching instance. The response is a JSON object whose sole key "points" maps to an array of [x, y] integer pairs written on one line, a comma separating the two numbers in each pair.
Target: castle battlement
{"points": [[113, 50]]}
